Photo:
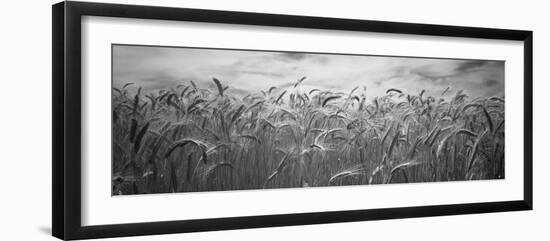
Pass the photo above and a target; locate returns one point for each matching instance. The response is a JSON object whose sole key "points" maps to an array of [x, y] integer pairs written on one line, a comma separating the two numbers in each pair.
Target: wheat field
{"points": [[188, 138]]}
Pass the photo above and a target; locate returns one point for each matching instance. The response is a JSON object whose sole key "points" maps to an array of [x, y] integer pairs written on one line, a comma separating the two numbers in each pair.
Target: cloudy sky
{"points": [[251, 71]]}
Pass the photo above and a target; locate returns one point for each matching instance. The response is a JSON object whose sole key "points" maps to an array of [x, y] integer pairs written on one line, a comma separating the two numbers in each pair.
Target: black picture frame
{"points": [[66, 129]]}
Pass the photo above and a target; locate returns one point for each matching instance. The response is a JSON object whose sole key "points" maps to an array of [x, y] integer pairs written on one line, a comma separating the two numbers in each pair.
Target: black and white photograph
{"points": [[188, 119], [275, 120]]}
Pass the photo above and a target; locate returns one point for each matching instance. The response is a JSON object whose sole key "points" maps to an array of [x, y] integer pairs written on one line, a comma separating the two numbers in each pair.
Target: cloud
{"points": [[490, 82], [160, 81], [293, 56], [437, 70], [252, 71], [469, 65], [263, 73]]}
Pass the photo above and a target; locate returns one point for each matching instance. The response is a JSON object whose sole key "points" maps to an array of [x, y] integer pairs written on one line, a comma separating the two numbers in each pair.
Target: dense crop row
{"points": [[187, 138]]}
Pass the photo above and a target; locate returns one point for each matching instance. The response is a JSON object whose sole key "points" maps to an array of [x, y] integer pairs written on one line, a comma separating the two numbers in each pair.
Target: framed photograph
{"points": [[169, 120]]}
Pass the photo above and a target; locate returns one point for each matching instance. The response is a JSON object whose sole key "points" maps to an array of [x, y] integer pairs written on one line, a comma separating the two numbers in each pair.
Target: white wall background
{"points": [[25, 134]]}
